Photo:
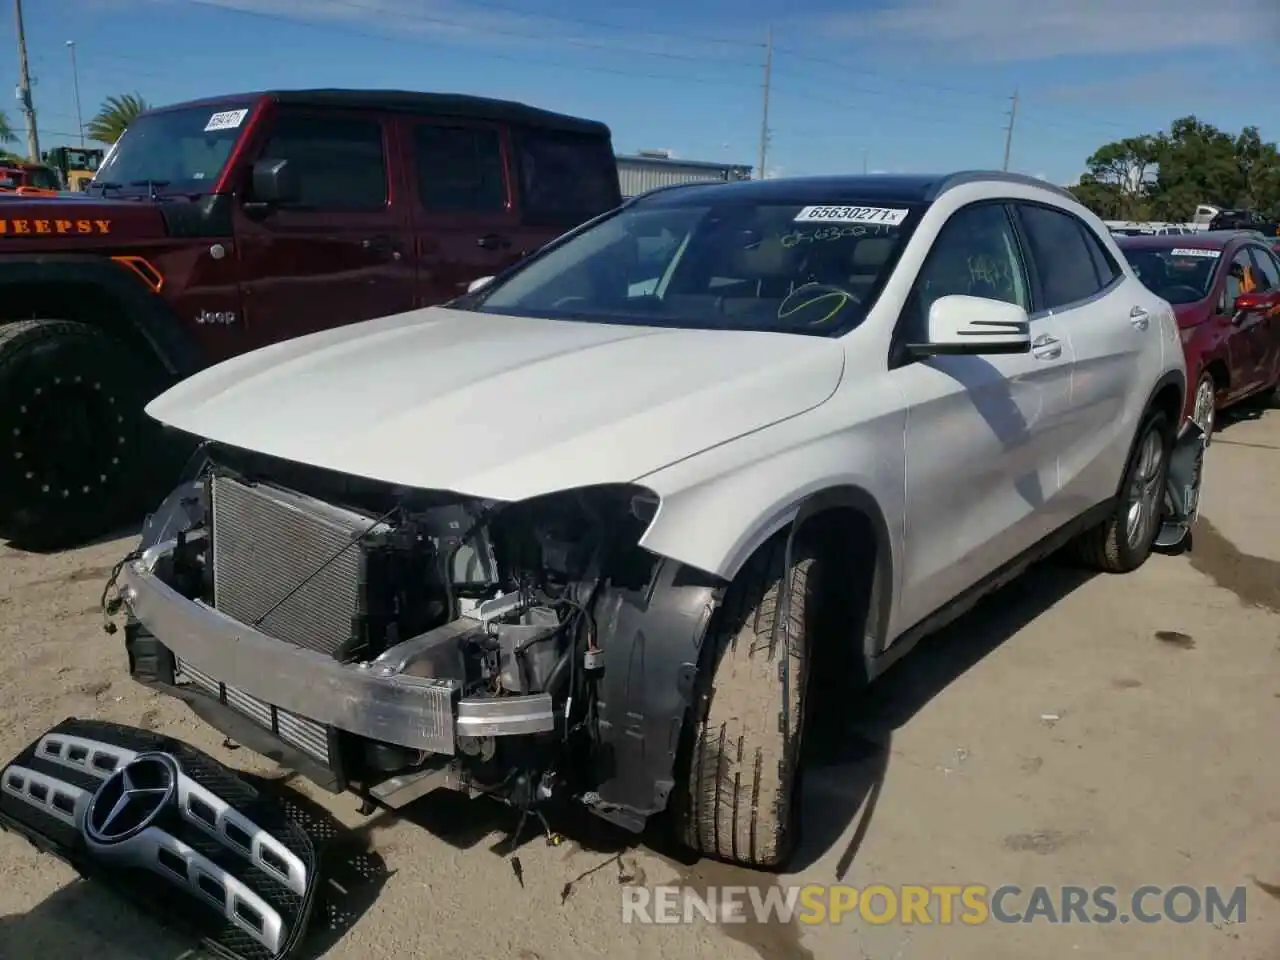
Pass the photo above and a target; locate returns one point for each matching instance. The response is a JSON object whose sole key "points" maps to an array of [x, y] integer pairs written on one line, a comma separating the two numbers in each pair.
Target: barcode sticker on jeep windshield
{"points": [[1192, 252], [885, 215], [226, 120]]}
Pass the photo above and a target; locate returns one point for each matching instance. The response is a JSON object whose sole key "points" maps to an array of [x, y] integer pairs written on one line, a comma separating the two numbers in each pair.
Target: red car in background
{"points": [[1225, 289]]}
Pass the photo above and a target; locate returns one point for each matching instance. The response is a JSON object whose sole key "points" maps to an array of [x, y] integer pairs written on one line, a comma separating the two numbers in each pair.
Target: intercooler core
{"points": [[297, 564]]}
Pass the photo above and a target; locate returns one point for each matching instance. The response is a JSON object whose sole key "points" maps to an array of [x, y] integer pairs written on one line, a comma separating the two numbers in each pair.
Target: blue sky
{"points": [[896, 85]]}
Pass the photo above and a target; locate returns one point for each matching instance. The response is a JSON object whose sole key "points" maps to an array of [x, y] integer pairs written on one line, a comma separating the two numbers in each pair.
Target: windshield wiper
{"points": [[151, 186], [106, 185]]}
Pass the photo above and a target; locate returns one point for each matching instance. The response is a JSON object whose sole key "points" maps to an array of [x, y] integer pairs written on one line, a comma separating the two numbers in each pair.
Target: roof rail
{"points": [[1000, 176]]}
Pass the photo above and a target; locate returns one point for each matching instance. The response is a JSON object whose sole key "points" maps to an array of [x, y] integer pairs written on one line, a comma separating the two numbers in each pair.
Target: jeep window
{"points": [[340, 162], [566, 179], [459, 169], [698, 265], [171, 151]]}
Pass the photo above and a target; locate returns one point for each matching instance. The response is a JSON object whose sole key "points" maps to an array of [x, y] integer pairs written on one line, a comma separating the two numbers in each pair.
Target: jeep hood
{"points": [[55, 222], [502, 407]]}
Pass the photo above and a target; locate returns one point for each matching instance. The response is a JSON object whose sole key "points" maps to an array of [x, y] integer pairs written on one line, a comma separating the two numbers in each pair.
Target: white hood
{"points": [[502, 407]]}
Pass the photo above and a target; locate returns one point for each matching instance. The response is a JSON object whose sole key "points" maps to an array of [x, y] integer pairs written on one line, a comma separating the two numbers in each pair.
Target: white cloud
{"points": [[1015, 30]]}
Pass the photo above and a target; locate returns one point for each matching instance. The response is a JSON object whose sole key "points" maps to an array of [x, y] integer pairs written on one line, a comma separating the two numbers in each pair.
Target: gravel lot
{"points": [[1160, 768]]}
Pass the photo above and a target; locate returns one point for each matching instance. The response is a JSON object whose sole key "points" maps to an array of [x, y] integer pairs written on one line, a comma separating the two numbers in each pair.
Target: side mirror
{"points": [[479, 284], [1248, 303], [973, 326], [274, 182]]}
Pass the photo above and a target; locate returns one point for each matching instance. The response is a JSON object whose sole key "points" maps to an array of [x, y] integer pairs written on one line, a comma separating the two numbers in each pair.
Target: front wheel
{"points": [[741, 782], [75, 445], [1124, 540]]}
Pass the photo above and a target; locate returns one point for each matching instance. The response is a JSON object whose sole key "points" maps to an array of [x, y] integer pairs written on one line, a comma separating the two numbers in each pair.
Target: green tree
{"points": [[7, 134], [1165, 176], [114, 117]]}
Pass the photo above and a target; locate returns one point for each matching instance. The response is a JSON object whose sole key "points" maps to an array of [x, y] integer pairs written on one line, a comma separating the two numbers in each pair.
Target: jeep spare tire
{"points": [[76, 449]]}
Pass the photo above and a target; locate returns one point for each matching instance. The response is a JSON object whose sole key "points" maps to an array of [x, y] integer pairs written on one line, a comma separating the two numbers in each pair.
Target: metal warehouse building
{"points": [[649, 169]]}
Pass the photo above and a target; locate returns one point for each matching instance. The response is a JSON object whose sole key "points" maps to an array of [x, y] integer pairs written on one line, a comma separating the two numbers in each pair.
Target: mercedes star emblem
{"points": [[131, 798]]}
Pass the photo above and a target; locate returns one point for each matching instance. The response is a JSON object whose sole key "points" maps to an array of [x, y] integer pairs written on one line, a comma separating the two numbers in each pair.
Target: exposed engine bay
{"points": [[500, 617]]}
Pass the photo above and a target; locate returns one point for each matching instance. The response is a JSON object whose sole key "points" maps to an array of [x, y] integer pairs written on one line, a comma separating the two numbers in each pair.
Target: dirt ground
{"points": [[1113, 730]]}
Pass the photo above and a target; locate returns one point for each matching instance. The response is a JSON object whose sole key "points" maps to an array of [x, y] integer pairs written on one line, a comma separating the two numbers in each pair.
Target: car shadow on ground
{"points": [[85, 918], [1246, 411]]}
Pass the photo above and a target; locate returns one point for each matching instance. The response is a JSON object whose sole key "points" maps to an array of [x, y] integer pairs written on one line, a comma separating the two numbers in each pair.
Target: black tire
{"points": [[741, 786], [1107, 547], [77, 453]]}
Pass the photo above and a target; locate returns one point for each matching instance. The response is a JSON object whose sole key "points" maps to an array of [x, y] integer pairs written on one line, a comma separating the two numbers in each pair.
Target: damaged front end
{"points": [[390, 641]]}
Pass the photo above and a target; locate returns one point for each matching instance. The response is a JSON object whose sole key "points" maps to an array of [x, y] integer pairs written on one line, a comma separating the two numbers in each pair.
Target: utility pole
{"points": [[75, 81], [1008, 131], [24, 88], [764, 115]]}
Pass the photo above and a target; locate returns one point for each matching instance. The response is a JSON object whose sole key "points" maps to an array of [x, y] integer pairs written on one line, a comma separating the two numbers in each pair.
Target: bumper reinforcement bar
{"points": [[377, 700]]}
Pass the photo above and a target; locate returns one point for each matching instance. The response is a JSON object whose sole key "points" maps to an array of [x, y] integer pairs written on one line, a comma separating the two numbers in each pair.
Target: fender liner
{"points": [[150, 316], [1175, 378], [654, 649]]}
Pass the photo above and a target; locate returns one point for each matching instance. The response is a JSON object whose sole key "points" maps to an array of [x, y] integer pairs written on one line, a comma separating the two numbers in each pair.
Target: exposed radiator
{"points": [[308, 736], [268, 541]]}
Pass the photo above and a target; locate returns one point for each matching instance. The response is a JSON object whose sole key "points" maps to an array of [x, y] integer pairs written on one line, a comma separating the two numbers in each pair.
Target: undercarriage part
{"points": [[1186, 479], [174, 831]]}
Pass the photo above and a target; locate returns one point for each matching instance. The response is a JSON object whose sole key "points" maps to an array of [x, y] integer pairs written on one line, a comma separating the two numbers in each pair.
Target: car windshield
{"points": [[736, 264], [173, 151], [1176, 274]]}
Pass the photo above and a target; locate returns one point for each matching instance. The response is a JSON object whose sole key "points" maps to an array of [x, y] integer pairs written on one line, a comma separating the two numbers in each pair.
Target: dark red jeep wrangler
{"points": [[221, 225]]}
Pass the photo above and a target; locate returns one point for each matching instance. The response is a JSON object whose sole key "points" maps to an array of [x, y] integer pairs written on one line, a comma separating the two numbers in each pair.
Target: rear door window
{"points": [[459, 169], [1063, 260], [565, 178]]}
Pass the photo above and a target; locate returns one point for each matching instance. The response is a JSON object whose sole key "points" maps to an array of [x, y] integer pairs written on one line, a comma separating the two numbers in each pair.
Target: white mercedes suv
{"points": [[584, 531]]}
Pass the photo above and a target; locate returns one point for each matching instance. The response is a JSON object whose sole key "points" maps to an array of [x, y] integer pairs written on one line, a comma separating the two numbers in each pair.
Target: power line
{"points": [[486, 30]]}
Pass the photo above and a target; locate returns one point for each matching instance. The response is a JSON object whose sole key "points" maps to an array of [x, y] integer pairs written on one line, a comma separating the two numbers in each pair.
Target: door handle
{"points": [[493, 241], [381, 244], [1045, 347], [1139, 318]]}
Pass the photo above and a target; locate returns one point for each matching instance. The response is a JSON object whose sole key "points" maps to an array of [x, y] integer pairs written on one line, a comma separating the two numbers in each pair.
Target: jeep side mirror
{"points": [[972, 326], [274, 182]]}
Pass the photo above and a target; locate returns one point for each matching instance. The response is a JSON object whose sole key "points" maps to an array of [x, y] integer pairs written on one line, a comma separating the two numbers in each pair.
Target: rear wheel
{"points": [[1123, 541], [741, 796], [76, 450]]}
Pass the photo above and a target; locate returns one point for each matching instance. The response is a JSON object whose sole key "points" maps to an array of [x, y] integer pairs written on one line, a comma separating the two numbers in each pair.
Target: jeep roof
{"points": [[409, 101]]}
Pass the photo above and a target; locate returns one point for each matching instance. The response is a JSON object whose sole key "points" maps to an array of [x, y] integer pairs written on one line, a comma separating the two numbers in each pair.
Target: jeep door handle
{"points": [[1139, 318], [381, 244], [1045, 347], [493, 241]]}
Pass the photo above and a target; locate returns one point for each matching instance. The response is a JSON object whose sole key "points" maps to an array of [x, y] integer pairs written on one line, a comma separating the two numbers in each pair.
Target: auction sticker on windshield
{"points": [[886, 215], [1192, 252], [226, 120]]}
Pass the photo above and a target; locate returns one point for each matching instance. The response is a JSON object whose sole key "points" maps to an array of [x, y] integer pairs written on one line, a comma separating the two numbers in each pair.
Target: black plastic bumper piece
{"points": [[180, 835]]}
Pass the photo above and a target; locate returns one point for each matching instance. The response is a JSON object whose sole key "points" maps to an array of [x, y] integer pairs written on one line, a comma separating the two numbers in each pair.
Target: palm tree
{"points": [[6, 132], [115, 115]]}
